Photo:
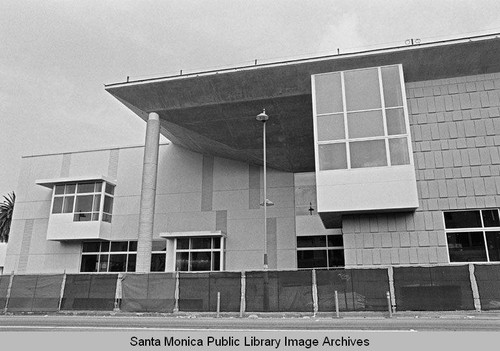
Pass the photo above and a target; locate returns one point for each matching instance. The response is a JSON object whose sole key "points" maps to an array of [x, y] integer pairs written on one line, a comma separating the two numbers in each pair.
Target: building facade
{"points": [[374, 159]]}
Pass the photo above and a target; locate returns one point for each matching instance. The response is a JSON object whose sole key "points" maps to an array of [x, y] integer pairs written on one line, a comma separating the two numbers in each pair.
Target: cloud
{"points": [[344, 35]]}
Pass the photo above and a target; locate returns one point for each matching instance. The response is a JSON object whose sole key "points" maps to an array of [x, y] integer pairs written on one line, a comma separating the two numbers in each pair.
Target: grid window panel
{"points": [[466, 247], [182, 261], [311, 241], [329, 93], [59, 190], [473, 236], [365, 124], [371, 153], [462, 219], [97, 257], [332, 156], [375, 113], [57, 205], [362, 89], [131, 261], [398, 149], [490, 218], [395, 121], [183, 243], [68, 204], [320, 251], [331, 127], [158, 261], [70, 188], [392, 86], [312, 259], [493, 243], [83, 200], [86, 188], [335, 258], [198, 254]]}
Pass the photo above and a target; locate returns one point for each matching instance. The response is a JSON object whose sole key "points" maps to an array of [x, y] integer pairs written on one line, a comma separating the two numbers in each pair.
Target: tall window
{"points": [[158, 256], [84, 200], [320, 251], [198, 254], [106, 256], [473, 236], [361, 119]]}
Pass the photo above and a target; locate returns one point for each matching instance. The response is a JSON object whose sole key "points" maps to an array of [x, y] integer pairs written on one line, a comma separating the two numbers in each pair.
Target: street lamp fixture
{"points": [[262, 117]]}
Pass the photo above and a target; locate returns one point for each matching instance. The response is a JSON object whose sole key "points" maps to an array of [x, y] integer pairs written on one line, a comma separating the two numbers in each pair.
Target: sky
{"points": [[56, 56]]}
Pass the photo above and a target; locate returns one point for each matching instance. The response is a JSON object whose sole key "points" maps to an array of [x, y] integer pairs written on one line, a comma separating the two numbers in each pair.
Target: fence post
{"points": [[475, 289], [389, 306], [9, 288], [176, 293], [243, 293], [390, 272], [118, 293], [337, 304], [314, 292], [61, 293], [218, 304]]}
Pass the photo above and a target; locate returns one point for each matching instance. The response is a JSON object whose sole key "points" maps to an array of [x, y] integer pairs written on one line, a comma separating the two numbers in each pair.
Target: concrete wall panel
{"points": [[230, 175], [125, 227], [190, 221], [129, 172], [234, 199], [179, 170], [89, 163]]}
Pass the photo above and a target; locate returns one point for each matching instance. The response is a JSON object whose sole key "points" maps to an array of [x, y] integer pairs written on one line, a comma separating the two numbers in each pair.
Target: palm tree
{"points": [[6, 209]]}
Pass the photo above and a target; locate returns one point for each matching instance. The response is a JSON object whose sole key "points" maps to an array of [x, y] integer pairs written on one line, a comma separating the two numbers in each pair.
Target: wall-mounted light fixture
{"points": [[311, 208]]}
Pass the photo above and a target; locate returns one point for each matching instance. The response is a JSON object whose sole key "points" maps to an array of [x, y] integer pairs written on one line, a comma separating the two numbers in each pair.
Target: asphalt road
{"points": [[172, 323]]}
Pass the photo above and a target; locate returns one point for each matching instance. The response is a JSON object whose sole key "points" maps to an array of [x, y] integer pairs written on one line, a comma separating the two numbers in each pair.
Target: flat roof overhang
{"points": [[214, 112]]}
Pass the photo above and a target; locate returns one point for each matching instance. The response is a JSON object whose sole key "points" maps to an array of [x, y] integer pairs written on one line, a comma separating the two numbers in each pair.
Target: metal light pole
{"points": [[262, 117]]}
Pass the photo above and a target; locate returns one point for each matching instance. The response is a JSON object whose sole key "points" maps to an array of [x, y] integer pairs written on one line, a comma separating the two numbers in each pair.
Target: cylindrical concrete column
{"points": [[148, 194]]}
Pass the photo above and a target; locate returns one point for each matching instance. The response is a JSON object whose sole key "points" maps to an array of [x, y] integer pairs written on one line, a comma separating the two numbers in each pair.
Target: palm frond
{"points": [[6, 210]]}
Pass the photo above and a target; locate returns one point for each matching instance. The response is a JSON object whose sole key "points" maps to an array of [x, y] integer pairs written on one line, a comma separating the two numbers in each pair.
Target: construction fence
{"points": [[436, 288]]}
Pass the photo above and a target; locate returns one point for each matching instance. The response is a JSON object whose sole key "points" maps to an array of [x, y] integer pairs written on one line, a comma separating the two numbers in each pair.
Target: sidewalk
{"points": [[277, 315]]}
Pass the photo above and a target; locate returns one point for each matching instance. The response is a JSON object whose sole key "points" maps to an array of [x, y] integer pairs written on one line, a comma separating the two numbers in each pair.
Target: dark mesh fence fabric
{"points": [[153, 292], [229, 286], [488, 283], [261, 293], [89, 292], [283, 291], [357, 289], [433, 288], [31, 293], [295, 291], [198, 291], [4, 286], [194, 292]]}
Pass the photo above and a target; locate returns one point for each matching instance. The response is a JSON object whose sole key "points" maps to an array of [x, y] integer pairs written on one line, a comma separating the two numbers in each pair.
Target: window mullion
{"points": [[346, 129], [103, 198], [406, 114], [384, 117], [484, 237]]}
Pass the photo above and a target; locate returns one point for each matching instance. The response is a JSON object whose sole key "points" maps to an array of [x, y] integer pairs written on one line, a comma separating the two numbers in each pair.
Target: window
{"points": [[83, 200], [473, 236], [158, 256], [361, 118], [320, 251], [109, 256], [198, 254]]}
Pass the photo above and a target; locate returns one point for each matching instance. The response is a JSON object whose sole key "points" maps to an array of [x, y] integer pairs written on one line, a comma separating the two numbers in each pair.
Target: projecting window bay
{"points": [[83, 200], [361, 119]]}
